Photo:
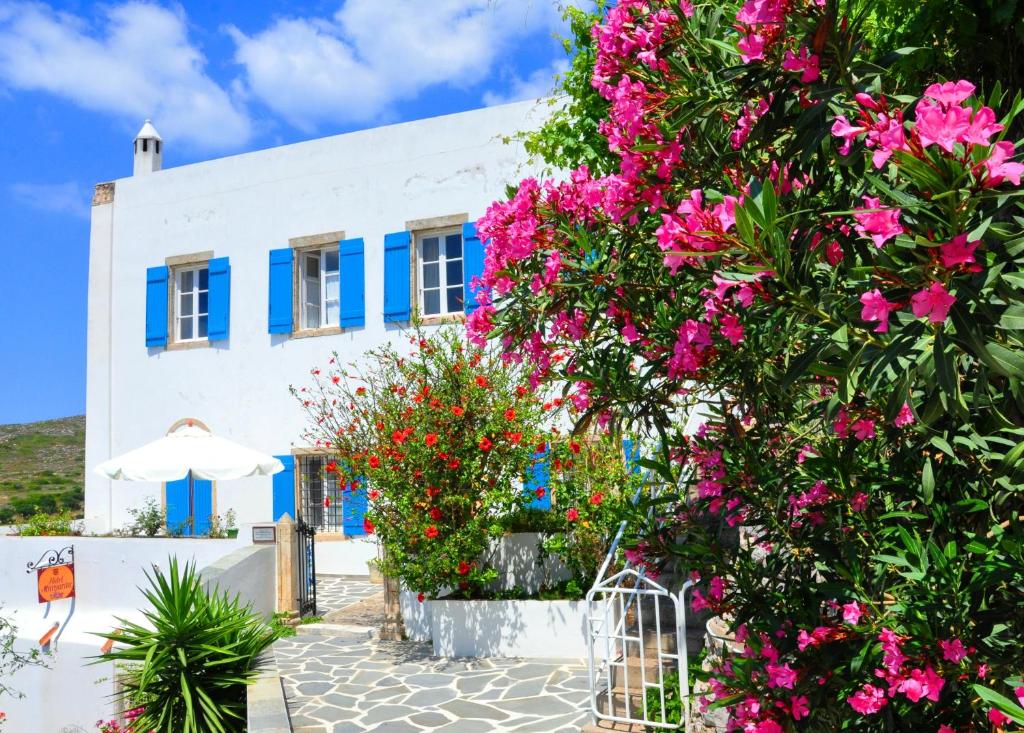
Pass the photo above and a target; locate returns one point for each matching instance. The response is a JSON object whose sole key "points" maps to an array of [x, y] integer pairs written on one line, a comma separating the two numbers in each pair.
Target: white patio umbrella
{"points": [[189, 449]]}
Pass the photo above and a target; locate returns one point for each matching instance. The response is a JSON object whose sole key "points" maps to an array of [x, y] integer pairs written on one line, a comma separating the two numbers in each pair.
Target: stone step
{"points": [[633, 667], [338, 631]]}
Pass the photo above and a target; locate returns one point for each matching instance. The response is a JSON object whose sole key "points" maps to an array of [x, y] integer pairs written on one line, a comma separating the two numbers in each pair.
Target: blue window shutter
{"points": [[396, 276], [280, 301], [176, 495], [354, 505], [284, 488], [203, 496], [472, 263], [539, 476], [631, 450], [156, 306], [220, 299], [353, 286]]}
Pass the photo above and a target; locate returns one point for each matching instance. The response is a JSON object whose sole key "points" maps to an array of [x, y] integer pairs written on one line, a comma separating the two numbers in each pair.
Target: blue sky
{"points": [[78, 78]]}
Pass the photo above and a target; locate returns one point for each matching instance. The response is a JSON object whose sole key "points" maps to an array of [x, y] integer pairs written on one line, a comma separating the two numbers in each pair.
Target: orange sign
{"points": [[56, 583]]}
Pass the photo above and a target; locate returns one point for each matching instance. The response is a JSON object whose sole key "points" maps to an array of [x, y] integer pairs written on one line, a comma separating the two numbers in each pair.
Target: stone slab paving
{"points": [[335, 592], [353, 686]]}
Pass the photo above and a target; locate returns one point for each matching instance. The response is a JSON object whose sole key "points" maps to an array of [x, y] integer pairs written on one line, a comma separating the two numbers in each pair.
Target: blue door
{"points": [[353, 501], [177, 506]]}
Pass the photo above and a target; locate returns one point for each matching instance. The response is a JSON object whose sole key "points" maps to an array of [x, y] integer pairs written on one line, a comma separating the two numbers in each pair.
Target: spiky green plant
{"points": [[191, 660]]}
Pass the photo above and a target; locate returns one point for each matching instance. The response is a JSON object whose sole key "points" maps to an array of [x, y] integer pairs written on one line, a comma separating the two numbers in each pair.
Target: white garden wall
{"points": [[108, 573]]}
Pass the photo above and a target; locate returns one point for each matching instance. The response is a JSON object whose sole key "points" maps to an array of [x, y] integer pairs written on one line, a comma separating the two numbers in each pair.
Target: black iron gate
{"points": [[307, 568]]}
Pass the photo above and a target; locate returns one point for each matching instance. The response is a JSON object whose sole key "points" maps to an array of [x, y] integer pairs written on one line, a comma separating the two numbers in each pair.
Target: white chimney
{"points": [[149, 154]]}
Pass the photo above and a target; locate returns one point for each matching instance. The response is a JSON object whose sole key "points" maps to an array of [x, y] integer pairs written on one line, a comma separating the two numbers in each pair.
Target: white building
{"points": [[214, 286]]}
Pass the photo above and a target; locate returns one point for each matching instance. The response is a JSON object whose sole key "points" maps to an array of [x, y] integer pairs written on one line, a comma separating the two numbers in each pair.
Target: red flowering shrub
{"points": [[828, 257], [443, 437]]}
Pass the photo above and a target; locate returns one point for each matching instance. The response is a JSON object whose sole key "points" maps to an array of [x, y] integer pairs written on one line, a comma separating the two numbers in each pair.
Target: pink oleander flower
{"points": [[834, 253], [950, 92], [852, 613], [629, 332], [983, 126], [942, 126], [863, 429], [957, 251], [1019, 693], [868, 700], [997, 167], [806, 62], [905, 416], [798, 706], [933, 302], [841, 425], [945, 729], [859, 502], [751, 48], [731, 328], [880, 224], [922, 683], [997, 718], [877, 308], [953, 651], [781, 676]]}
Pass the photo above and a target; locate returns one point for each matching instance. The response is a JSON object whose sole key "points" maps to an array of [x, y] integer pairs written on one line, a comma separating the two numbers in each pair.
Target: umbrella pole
{"points": [[191, 503]]}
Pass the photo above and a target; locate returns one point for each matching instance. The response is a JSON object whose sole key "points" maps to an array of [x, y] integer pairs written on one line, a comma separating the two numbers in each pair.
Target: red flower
{"points": [[572, 515], [435, 514], [457, 411], [596, 498], [454, 463], [485, 444], [374, 462], [327, 502], [431, 532], [360, 391], [421, 598], [463, 567], [510, 414], [481, 381], [331, 467], [368, 526], [521, 391], [335, 379], [541, 492], [514, 438], [431, 439], [433, 491], [398, 436], [574, 446], [373, 494]]}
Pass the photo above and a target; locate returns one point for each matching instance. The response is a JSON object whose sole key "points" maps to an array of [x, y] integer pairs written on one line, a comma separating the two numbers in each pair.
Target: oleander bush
{"points": [[815, 241]]}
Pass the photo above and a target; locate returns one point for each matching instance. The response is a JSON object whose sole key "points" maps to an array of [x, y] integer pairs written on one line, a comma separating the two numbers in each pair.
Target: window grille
{"points": [[320, 494]]}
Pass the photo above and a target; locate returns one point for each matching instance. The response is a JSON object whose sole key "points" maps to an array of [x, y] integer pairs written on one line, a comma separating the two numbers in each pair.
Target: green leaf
{"points": [[927, 482]]}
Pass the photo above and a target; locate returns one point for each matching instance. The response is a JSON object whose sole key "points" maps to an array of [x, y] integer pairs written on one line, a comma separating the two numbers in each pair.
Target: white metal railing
{"points": [[619, 623]]}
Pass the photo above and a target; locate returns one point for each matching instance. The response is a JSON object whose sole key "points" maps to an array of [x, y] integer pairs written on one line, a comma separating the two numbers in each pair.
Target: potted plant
{"points": [[229, 524]]}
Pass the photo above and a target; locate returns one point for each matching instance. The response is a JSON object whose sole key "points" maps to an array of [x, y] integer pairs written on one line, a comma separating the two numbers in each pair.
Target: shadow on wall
{"points": [[515, 557], [477, 628]]}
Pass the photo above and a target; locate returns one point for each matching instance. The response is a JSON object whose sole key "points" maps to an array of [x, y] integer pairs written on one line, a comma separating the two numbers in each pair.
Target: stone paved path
{"points": [[335, 592], [339, 685]]}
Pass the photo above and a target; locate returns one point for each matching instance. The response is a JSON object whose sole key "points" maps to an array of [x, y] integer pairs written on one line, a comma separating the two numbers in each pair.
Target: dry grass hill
{"points": [[42, 467]]}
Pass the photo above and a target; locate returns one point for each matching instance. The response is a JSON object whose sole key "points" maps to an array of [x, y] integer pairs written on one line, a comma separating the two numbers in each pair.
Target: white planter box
{"points": [[538, 629]]}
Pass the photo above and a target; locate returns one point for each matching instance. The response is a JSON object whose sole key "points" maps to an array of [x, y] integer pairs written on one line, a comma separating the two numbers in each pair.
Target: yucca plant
{"points": [[192, 659]]}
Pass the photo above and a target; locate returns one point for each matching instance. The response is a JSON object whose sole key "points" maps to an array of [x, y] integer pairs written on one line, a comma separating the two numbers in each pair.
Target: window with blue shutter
{"points": [[353, 286], [284, 489], [220, 299], [538, 477], [354, 504], [156, 306], [280, 295], [396, 277], [473, 263]]}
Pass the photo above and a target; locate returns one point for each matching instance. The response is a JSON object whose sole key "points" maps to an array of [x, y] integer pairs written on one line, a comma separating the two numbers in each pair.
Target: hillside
{"points": [[42, 467]]}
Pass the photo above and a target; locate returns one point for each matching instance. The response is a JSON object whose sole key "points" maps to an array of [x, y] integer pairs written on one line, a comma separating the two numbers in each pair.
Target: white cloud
{"points": [[140, 64], [62, 198], [354, 66], [540, 83]]}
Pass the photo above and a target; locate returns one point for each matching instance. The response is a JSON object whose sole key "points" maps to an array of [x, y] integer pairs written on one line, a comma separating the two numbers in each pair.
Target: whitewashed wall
{"points": [[108, 574], [365, 183]]}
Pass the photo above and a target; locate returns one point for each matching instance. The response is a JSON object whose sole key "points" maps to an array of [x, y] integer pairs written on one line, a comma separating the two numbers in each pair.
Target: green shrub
{"points": [[7, 514], [192, 658], [147, 520], [41, 524]]}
